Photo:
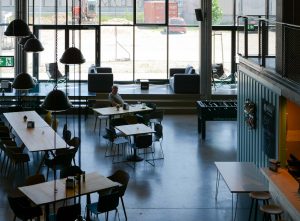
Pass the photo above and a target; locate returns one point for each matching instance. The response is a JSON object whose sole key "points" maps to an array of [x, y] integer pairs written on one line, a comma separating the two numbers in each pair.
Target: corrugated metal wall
{"points": [[250, 147]]}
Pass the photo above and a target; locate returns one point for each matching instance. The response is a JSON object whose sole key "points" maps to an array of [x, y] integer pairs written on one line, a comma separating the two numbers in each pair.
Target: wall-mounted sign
{"points": [[7, 61]]}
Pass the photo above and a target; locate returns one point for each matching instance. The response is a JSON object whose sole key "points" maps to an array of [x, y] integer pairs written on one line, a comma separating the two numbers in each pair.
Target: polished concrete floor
{"points": [[180, 187]]}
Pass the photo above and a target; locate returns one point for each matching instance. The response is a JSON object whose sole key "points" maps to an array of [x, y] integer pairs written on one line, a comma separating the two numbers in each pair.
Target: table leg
{"points": [[203, 132], [234, 210], [41, 163], [47, 212], [217, 184], [88, 201], [134, 157], [199, 125]]}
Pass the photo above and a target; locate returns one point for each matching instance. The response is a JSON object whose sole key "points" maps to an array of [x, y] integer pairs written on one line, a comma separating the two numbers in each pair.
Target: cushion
{"points": [[188, 69]]}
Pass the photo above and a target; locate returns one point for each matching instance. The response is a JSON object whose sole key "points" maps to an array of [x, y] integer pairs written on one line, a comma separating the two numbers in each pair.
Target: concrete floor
{"points": [[180, 187]]}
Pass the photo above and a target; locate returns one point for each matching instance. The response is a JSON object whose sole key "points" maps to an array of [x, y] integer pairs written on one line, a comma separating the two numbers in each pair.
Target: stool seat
{"points": [[260, 195], [271, 209]]}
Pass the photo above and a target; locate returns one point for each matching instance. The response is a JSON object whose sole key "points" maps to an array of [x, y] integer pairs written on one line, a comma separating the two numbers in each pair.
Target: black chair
{"points": [[35, 179], [66, 133], [70, 171], [144, 142], [115, 140], [23, 209], [67, 213], [105, 204], [122, 177], [59, 162], [156, 116], [158, 137]]}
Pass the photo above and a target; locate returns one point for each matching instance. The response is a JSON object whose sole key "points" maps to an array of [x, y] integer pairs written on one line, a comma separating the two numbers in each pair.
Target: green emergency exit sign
{"points": [[7, 61]]}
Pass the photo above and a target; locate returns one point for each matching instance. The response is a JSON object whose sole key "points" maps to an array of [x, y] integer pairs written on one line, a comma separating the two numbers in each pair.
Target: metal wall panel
{"points": [[250, 141]]}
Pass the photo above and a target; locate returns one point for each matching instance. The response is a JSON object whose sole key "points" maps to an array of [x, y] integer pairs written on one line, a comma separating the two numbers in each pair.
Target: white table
{"points": [[55, 191], [40, 138], [132, 130], [111, 111], [240, 177]]}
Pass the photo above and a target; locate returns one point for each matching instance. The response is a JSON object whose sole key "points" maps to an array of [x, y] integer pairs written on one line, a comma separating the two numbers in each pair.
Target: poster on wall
{"points": [[269, 129]]}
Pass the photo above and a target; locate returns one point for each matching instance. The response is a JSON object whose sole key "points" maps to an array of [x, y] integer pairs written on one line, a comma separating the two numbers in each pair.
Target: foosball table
{"points": [[214, 110]]}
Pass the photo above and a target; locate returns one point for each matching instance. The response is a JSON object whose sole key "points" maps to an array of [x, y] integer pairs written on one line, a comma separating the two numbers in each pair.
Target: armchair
{"points": [[100, 79], [185, 83]]}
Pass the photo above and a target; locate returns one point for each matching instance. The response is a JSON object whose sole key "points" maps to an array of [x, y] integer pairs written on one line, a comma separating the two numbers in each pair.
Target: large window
{"points": [[139, 39]]}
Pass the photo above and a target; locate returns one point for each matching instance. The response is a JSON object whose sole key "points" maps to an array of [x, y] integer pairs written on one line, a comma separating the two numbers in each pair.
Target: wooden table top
{"points": [[288, 189], [113, 110], [44, 193], [39, 138], [16, 119], [242, 177], [135, 129]]}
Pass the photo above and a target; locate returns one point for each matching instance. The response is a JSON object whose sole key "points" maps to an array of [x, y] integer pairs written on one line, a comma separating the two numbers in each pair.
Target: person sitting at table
{"points": [[114, 97]]}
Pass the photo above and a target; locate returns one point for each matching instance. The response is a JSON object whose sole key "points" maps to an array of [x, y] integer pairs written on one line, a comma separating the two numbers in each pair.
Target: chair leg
{"points": [[123, 207], [95, 123]]}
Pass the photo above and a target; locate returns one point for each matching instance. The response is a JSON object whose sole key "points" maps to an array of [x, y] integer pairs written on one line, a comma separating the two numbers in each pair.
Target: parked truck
{"points": [[88, 10], [155, 11]]}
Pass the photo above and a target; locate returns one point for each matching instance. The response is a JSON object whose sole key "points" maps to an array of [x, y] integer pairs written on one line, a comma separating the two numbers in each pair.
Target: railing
{"points": [[260, 34]]}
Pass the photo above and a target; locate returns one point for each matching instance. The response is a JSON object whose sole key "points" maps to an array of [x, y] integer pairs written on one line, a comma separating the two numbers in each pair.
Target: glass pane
{"points": [[150, 12], [44, 12], [117, 51], [184, 49], [150, 53], [116, 12], [185, 10], [222, 12], [87, 48], [7, 44], [47, 38], [250, 7], [221, 49]]}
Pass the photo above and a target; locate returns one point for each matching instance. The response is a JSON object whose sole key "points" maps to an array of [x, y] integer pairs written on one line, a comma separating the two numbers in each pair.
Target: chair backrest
{"points": [[35, 179], [22, 208], [108, 202], [158, 128], [103, 70], [52, 71], [122, 177], [111, 134], [68, 213], [157, 114], [74, 142], [61, 160], [118, 122], [143, 141], [70, 171]]}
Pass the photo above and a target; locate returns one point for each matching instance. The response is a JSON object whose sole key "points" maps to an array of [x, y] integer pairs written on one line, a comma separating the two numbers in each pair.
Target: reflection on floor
{"points": [[180, 187]]}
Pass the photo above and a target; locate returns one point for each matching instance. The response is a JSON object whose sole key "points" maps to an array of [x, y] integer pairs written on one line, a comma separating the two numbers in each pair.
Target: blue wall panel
{"points": [[250, 141]]}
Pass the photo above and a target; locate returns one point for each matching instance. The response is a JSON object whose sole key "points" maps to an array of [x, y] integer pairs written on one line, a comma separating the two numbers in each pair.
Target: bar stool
{"points": [[270, 210], [255, 198]]}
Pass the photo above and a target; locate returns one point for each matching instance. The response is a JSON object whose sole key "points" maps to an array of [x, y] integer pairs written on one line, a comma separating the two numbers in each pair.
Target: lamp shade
{"points": [[33, 45], [199, 14], [25, 39], [17, 28], [72, 56], [56, 101], [23, 81]]}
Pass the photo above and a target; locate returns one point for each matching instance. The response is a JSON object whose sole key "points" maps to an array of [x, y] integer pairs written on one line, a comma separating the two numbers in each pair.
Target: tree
{"points": [[216, 12]]}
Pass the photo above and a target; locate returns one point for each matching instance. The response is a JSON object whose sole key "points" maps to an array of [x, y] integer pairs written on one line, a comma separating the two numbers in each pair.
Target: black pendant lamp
{"points": [[17, 28], [25, 39], [72, 56], [23, 81], [56, 101], [33, 45]]}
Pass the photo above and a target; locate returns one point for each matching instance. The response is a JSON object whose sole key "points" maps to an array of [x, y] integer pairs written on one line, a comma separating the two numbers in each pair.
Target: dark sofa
{"points": [[185, 83], [100, 80]]}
